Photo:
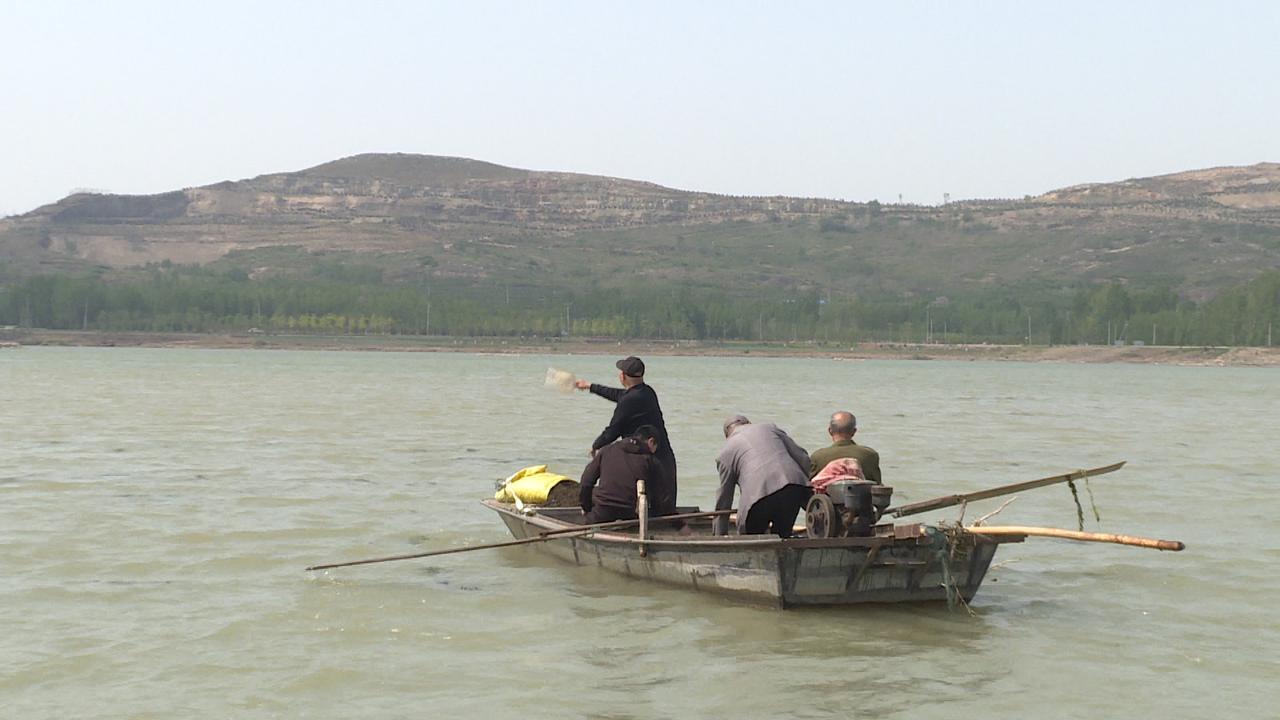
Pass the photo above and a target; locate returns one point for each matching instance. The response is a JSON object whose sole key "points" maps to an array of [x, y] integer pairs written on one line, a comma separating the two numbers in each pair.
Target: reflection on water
{"points": [[157, 508]]}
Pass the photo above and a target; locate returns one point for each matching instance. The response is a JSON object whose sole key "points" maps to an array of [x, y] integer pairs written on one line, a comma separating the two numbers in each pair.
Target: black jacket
{"points": [[637, 405], [616, 467]]}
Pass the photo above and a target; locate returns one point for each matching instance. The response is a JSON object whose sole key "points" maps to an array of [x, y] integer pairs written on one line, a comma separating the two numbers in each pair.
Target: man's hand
{"points": [[585, 498], [582, 384]]}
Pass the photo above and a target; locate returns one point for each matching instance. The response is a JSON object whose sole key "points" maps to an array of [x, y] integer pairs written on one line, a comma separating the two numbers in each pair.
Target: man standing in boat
{"points": [[842, 428], [773, 473], [637, 405], [608, 489]]}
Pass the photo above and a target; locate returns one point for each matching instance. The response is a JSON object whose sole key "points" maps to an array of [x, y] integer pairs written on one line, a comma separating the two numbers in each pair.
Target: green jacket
{"points": [[869, 459]]}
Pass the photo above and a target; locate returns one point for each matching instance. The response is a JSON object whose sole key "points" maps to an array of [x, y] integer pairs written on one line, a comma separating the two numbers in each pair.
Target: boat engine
{"points": [[846, 508]]}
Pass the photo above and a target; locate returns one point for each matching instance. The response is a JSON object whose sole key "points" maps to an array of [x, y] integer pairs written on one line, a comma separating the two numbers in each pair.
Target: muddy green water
{"points": [[157, 508]]}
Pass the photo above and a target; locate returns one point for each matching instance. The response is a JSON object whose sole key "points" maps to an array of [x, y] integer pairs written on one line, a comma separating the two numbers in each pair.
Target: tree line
{"points": [[166, 300]]}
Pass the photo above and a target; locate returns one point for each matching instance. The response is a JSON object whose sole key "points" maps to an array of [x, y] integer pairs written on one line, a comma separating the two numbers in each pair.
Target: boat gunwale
{"points": [[769, 542]]}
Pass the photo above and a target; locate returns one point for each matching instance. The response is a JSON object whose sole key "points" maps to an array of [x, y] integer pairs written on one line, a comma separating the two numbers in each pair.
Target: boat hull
{"points": [[911, 563]]}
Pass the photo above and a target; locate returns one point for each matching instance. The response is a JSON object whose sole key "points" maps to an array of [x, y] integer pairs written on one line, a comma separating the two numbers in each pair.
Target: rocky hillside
{"points": [[412, 218], [1256, 187]]}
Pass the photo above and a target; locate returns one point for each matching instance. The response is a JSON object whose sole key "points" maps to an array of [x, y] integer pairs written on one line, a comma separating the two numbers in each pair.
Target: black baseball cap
{"points": [[631, 366]]}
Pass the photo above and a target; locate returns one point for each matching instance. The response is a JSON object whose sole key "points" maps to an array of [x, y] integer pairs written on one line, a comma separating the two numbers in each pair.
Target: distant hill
{"points": [[421, 219], [1256, 187]]}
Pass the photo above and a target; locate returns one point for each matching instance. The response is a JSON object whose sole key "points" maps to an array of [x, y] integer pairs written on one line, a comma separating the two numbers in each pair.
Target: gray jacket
{"points": [[761, 459]]}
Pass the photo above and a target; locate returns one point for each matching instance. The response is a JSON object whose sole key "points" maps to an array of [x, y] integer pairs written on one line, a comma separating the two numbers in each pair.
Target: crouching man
{"points": [[772, 472], [608, 490]]}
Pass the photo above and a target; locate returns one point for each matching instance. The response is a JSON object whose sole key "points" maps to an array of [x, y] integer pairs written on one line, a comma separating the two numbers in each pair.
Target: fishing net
{"points": [[559, 380], [564, 494], [951, 543]]}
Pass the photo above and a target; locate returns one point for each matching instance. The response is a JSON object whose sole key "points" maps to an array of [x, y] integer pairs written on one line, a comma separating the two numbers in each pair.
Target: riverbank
{"points": [[1162, 355]]}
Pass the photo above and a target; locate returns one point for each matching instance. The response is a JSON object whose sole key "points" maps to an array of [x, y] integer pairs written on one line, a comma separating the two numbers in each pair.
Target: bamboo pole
{"points": [[1171, 545], [449, 551], [578, 531], [947, 501]]}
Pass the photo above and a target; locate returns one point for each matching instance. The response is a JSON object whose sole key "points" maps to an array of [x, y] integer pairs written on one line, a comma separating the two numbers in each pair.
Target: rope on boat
{"points": [[947, 541], [1075, 496], [1093, 505]]}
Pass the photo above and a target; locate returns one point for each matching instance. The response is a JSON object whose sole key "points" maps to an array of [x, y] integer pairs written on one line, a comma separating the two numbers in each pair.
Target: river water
{"points": [[157, 508]]}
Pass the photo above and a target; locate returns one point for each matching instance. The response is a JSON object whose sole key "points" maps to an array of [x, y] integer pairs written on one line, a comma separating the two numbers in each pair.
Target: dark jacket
{"points": [[637, 405], [616, 467]]}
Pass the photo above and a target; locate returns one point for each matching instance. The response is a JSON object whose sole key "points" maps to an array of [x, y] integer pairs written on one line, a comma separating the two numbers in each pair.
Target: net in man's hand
{"points": [[560, 380]]}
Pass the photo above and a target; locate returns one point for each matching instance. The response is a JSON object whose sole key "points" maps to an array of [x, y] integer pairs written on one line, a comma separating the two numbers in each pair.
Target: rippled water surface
{"points": [[157, 508]]}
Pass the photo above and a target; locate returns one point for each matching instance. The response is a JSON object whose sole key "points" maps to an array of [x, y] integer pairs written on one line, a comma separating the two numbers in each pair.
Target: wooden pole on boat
{"points": [[540, 537], [642, 509], [468, 548], [947, 501], [1172, 545]]}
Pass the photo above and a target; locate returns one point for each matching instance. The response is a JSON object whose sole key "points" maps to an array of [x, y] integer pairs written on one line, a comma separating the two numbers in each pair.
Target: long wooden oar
{"points": [[563, 533], [947, 501], [1173, 545]]}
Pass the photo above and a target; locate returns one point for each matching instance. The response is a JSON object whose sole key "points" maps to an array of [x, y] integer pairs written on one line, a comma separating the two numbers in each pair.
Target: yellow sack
{"points": [[532, 485]]}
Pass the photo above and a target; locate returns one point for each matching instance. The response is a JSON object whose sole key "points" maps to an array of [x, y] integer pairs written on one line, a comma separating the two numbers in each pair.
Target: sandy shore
{"points": [[1195, 356]]}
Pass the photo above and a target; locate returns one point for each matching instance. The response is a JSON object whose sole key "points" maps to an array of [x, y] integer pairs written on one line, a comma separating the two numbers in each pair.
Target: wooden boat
{"points": [[897, 563], [844, 558]]}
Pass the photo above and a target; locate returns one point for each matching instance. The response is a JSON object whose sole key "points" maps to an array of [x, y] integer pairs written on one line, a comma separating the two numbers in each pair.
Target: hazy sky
{"points": [[847, 100]]}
